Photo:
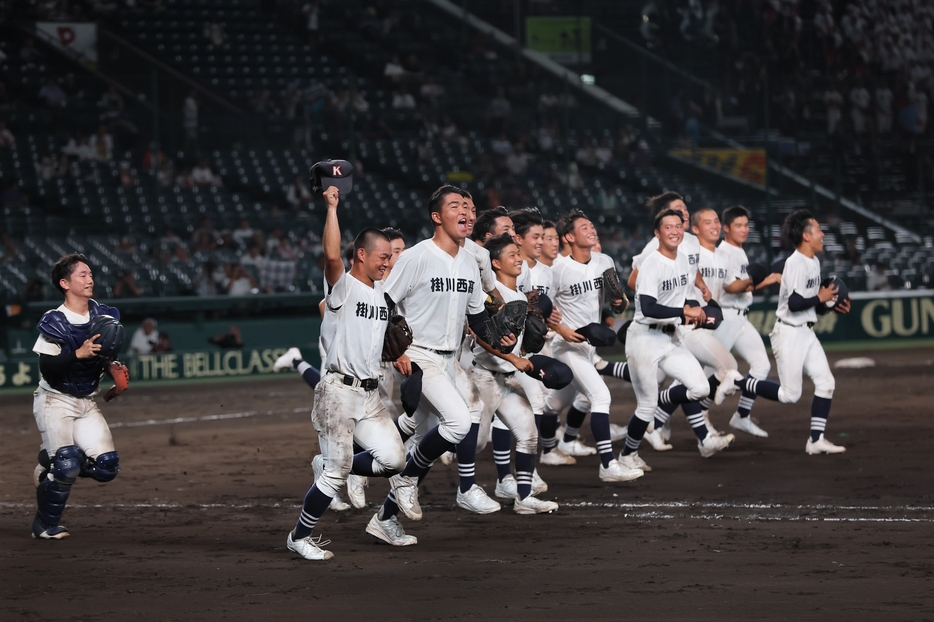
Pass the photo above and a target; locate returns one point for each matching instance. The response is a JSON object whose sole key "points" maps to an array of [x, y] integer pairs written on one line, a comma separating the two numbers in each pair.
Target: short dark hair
{"points": [[732, 213], [437, 197], [566, 223], [695, 217], [524, 219], [547, 224], [665, 213], [661, 202], [497, 244], [486, 222], [393, 234], [367, 239], [795, 225], [65, 266]]}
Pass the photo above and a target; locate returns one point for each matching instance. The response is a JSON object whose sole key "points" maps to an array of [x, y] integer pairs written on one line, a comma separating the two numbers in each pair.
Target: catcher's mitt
{"points": [[614, 290], [510, 320], [121, 377], [398, 338]]}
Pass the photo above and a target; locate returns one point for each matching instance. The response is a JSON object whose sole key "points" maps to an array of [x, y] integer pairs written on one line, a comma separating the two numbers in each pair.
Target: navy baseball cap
{"points": [[545, 305], [599, 335], [714, 315], [757, 272], [410, 391], [552, 373], [327, 173]]}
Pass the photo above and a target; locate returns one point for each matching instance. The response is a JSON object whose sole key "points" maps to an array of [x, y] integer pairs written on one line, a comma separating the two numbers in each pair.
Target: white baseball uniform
{"points": [[434, 292], [345, 410], [795, 346], [653, 343], [736, 332], [578, 294]]}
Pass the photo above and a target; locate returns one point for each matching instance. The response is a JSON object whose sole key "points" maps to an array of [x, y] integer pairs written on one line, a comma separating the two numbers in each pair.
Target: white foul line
{"points": [[241, 415]]}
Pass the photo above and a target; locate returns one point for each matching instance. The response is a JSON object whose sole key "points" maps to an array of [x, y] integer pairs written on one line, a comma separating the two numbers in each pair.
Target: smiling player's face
{"points": [[376, 261], [80, 282], [670, 232], [509, 262]]}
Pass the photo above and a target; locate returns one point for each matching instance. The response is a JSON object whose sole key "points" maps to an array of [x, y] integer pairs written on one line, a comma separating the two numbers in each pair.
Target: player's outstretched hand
{"points": [[569, 335], [694, 315], [88, 348], [522, 364], [332, 196], [403, 365], [842, 306]]}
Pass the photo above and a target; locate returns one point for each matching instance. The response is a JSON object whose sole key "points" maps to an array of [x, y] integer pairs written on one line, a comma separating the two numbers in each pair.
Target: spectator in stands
{"points": [[238, 281], [517, 162], [834, 102], [393, 70], [298, 194], [208, 280], [859, 108], [29, 54], [280, 246], [66, 167], [339, 100], [6, 136], [312, 12], [501, 145], [202, 175], [243, 232], [111, 100], [52, 94], [166, 174], [148, 340], [206, 228], [102, 144], [230, 339], [253, 257], [603, 152], [45, 168], [498, 112], [214, 32], [127, 175], [35, 290], [125, 246], [153, 158], [448, 129], [126, 286], [276, 275], [431, 92], [205, 243], [607, 200], [79, 147], [190, 121], [402, 99], [547, 102], [357, 101], [585, 156], [8, 248]]}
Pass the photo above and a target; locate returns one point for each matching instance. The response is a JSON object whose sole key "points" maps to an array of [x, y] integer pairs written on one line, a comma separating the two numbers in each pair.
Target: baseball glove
{"points": [[398, 338], [121, 377], [533, 339], [510, 320], [614, 290]]}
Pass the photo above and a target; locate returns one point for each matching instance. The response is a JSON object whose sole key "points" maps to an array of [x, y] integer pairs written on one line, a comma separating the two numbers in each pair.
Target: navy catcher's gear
{"points": [[104, 468], [53, 491], [111, 333], [83, 376]]}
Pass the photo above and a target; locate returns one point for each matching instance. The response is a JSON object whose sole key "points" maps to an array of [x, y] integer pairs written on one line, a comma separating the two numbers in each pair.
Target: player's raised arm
{"points": [[331, 240]]}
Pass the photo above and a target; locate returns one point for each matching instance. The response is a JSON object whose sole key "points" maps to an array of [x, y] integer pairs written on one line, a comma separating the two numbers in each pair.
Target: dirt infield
{"points": [[212, 477]]}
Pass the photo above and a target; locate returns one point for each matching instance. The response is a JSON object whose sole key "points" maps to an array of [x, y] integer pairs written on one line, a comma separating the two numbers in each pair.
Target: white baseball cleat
{"points": [[285, 361], [556, 457], [636, 462], [727, 387], [538, 484], [746, 424], [576, 448], [506, 488], [618, 432], [654, 438], [448, 457], [406, 492], [310, 547], [714, 443], [317, 466], [477, 501], [823, 446], [666, 431], [617, 471], [355, 490], [533, 505], [389, 531]]}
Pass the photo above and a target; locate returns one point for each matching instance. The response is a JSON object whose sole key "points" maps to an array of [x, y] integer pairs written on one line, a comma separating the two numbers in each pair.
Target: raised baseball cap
{"points": [[328, 173]]}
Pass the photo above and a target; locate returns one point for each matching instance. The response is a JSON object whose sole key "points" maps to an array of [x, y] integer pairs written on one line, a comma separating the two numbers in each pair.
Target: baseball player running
{"points": [[795, 346], [497, 376], [76, 440], [578, 296], [436, 284], [653, 341], [736, 333], [347, 407]]}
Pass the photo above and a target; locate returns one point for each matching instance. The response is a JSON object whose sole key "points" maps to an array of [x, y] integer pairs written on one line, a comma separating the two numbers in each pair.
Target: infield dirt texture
{"points": [[194, 527]]}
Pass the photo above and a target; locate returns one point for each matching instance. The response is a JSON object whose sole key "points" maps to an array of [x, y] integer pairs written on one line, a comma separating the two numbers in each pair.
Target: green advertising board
{"points": [[563, 39]]}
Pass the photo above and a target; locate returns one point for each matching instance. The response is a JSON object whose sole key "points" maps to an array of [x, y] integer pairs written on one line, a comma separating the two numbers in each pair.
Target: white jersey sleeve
{"points": [[649, 248], [802, 276], [735, 264], [482, 256], [667, 281]]}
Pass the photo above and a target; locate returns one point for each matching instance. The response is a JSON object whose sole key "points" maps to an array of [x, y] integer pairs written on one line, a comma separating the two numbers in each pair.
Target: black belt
{"points": [[809, 324], [742, 312], [369, 384], [506, 374], [441, 352], [668, 329]]}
